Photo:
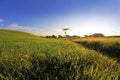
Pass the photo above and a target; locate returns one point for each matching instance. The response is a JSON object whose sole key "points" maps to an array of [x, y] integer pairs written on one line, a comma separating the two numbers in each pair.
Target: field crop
{"points": [[97, 39], [27, 57], [108, 46]]}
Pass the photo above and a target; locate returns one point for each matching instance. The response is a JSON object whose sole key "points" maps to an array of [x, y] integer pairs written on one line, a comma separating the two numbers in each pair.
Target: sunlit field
{"points": [[27, 57], [98, 39], [108, 45]]}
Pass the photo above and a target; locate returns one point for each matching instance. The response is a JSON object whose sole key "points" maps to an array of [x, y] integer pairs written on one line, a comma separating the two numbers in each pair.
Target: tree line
{"points": [[75, 36]]}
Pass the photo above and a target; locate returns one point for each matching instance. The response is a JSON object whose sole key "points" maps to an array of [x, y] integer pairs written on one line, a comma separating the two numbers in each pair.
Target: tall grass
{"points": [[35, 58], [108, 46]]}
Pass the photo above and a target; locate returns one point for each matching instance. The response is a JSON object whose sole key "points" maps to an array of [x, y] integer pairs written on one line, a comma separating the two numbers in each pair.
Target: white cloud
{"points": [[18, 27], [36, 31], [1, 20]]}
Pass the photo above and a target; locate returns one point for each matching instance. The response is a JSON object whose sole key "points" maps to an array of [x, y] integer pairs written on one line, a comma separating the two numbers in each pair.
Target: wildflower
{"points": [[26, 56], [20, 54], [21, 59], [6, 58]]}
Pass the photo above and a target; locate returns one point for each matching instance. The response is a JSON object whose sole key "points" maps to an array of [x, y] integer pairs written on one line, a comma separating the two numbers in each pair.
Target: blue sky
{"points": [[46, 17]]}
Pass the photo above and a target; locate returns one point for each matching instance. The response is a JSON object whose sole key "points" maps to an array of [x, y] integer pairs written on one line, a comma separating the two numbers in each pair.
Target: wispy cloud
{"points": [[1, 20], [18, 27], [36, 31]]}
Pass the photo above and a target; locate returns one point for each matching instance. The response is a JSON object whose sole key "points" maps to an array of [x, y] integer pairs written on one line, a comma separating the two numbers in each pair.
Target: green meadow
{"points": [[28, 57]]}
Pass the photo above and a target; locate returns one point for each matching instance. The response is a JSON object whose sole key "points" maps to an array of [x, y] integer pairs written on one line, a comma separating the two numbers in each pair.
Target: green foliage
{"points": [[28, 57]]}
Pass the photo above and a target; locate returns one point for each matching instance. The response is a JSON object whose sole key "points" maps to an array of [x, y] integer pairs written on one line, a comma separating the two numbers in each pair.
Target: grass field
{"points": [[27, 57], [98, 39], [109, 45]]}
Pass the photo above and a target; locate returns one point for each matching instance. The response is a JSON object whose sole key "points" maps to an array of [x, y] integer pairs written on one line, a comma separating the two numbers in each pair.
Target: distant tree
{"points": [[75, 36], [53, 36], [59, 36], [65, 31], [86, 36], [47, 36], [68, 36], [97, 35]]}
